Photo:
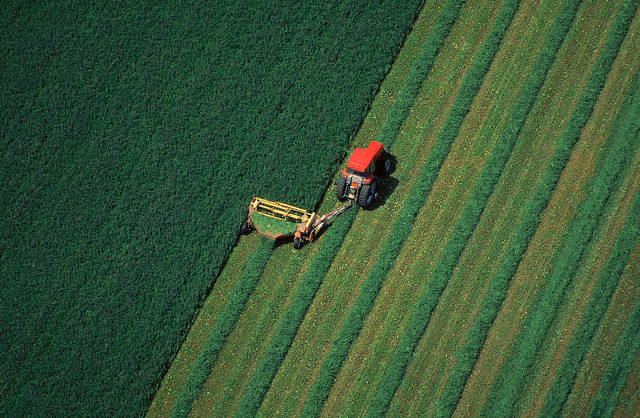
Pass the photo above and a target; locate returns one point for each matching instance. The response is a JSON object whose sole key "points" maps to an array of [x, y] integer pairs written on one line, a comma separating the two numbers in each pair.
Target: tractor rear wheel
{"points": [[365, 197], [341, 183]]}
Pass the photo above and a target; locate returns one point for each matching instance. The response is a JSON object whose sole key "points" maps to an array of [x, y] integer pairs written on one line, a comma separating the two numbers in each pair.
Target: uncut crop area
{"points": [[499, 274]]}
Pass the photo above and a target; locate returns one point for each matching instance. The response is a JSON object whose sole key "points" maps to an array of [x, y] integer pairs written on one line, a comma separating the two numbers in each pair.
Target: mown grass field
{"points": [[500, 273]]}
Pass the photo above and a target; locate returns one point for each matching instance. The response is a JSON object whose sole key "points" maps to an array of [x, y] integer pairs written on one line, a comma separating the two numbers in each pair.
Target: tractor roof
{"points": [[361, 158]]}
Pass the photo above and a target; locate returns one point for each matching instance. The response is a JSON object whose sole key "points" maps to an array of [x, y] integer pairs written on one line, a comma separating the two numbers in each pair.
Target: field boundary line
{"points": [[512, 380], [467, 356], [473, 209], [225, 323], [352, 324]]}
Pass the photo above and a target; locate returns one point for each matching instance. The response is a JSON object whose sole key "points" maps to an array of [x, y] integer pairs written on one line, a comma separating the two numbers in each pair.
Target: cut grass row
{"points": [[226, 387], [265, 308], [225, 324], [399, 73], [594, 312], [421, 67], [288, 328], [353, 323], [459, 302], [629, 401], [467, 356], [620, 364], [473, 210], [261, 379], [513, 378]]}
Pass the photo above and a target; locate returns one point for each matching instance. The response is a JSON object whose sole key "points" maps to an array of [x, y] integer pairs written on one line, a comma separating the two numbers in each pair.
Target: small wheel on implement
{"points": [[297, 243], [244, 229]]}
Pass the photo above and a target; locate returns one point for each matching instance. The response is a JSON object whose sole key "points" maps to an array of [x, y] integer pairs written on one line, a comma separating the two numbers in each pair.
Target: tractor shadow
{"points": [[386, 187]]}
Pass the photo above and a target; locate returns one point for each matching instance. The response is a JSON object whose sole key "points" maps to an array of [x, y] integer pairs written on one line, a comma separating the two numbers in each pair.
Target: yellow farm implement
{"points": [[280, 221]]}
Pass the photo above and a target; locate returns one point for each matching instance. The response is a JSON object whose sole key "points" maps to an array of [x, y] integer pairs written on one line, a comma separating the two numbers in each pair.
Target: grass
{"points": [[509, 388], [467, 356], [225, 324], [269, 365], [273, 227]]}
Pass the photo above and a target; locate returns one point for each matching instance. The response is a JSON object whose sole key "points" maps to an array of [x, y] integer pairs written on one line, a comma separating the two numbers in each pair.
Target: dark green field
{"points": [[133, 136]]}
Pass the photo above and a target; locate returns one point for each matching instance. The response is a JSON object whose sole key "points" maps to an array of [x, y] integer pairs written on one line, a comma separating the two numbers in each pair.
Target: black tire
{"points": [[387, 166], [297, 243], [341, 183], [363, 196], [244, 229], [367, 194]]}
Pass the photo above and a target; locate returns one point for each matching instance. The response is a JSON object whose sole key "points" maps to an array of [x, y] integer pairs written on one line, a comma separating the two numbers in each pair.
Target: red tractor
{"points": [[359, 180]]}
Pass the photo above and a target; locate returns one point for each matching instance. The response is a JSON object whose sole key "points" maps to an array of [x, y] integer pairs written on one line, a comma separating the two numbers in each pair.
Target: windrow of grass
{"points": [[468, 354], [255, 327], [421, 67], [473, 210], [224, 326], [387, 135], [620, 364], [594, 312], [288, 328], [353, 323], [513, 378], [262, 378]]}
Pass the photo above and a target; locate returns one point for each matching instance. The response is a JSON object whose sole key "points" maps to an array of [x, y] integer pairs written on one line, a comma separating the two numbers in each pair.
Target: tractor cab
{"points": [[363, 161], [359, 179]]}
